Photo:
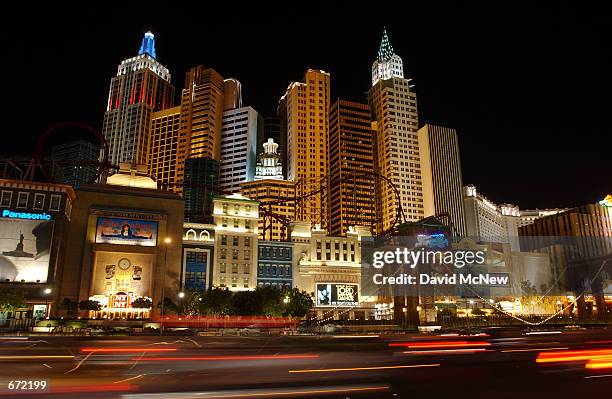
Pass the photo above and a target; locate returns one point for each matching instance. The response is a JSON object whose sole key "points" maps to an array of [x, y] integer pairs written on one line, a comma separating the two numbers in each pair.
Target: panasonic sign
{"points": [[25, 215]]}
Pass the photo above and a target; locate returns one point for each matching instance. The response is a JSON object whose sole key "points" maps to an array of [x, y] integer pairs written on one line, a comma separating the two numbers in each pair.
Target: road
{"points": [[498, 364]]}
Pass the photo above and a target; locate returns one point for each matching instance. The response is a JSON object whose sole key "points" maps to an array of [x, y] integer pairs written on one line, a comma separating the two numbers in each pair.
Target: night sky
{"points": [[527, 88]]}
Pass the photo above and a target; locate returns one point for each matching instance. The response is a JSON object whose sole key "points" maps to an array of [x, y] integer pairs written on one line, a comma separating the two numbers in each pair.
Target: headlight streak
{"points": [[599, 363], [588, 355]]}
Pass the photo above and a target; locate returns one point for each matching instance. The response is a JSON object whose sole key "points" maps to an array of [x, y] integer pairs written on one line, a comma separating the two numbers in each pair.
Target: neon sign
{"points": [[25, 215]]}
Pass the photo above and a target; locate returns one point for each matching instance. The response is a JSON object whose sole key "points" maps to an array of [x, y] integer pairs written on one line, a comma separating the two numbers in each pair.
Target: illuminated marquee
{"points": [[25, 215], [329, 294]]}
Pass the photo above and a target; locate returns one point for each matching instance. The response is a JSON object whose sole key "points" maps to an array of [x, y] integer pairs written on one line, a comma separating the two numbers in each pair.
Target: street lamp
{"points": [[47, 292], [286, 299], [181, 295], [167, 241]]}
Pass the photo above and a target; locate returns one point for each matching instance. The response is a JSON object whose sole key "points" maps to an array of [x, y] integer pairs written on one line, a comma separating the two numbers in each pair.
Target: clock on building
{"points": [[124, 263]]}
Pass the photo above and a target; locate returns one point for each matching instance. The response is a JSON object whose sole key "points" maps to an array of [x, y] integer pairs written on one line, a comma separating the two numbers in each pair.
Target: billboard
{"points": [[126, 232], [25, 246], [333, 294]]}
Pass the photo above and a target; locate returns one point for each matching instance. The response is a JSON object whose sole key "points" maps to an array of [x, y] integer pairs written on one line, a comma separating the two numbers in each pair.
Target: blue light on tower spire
{"points": [[148, 44]]}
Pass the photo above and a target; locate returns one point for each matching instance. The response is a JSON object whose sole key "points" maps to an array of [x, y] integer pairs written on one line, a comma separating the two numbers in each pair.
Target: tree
{"points": [[216, 301], [11, 299], [268, 301], [142, 303], [244, 303], [90, 305], [300, 303], [71, 307], [189, 305]]}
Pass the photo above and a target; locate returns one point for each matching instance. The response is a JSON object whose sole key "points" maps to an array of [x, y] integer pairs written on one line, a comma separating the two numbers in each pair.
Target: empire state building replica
{"points": [[141, 86]]}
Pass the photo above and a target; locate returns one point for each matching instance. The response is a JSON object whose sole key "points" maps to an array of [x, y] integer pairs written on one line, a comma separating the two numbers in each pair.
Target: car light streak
{"points": [[247, 357], [439, 344], [447, 351], [599, 363], [598, 376], [35, 357], [94, 388], [410, 366], [127, 350], [573, 356], [533, 350], [258, 393]]}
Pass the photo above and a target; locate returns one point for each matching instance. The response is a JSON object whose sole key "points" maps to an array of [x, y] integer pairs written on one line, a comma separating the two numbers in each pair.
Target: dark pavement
{"points": [[497, 364]]}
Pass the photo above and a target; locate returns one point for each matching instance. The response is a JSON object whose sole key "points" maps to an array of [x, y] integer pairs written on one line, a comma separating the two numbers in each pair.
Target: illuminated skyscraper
{"points": [[205, 96], [393, 104], [201, 117], [304, 109], [142, 86], [441, 173], [351, 155], [163, 151], [238, 148]]}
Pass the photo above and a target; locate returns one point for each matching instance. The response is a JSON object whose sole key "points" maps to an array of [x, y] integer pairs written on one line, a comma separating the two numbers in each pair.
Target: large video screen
{"points": [[25, 247], [126, 232], [330, 294]]}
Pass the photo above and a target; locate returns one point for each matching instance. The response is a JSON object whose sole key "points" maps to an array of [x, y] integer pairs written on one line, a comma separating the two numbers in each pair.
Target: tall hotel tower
{"points": [[441, 172], [304, 113], [394, 110], [201, 117], [142, 86], [350, 158]]}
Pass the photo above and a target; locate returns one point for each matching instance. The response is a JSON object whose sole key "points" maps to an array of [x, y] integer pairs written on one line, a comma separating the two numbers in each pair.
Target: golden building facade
{"points": [[304, 109], [163, 151], [280, 195], [201, 117], [351, 157]]}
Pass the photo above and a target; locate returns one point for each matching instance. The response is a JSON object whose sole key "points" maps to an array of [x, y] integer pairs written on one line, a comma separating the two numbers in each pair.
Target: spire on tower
{"points": [[148, 44], [385, 52]]}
